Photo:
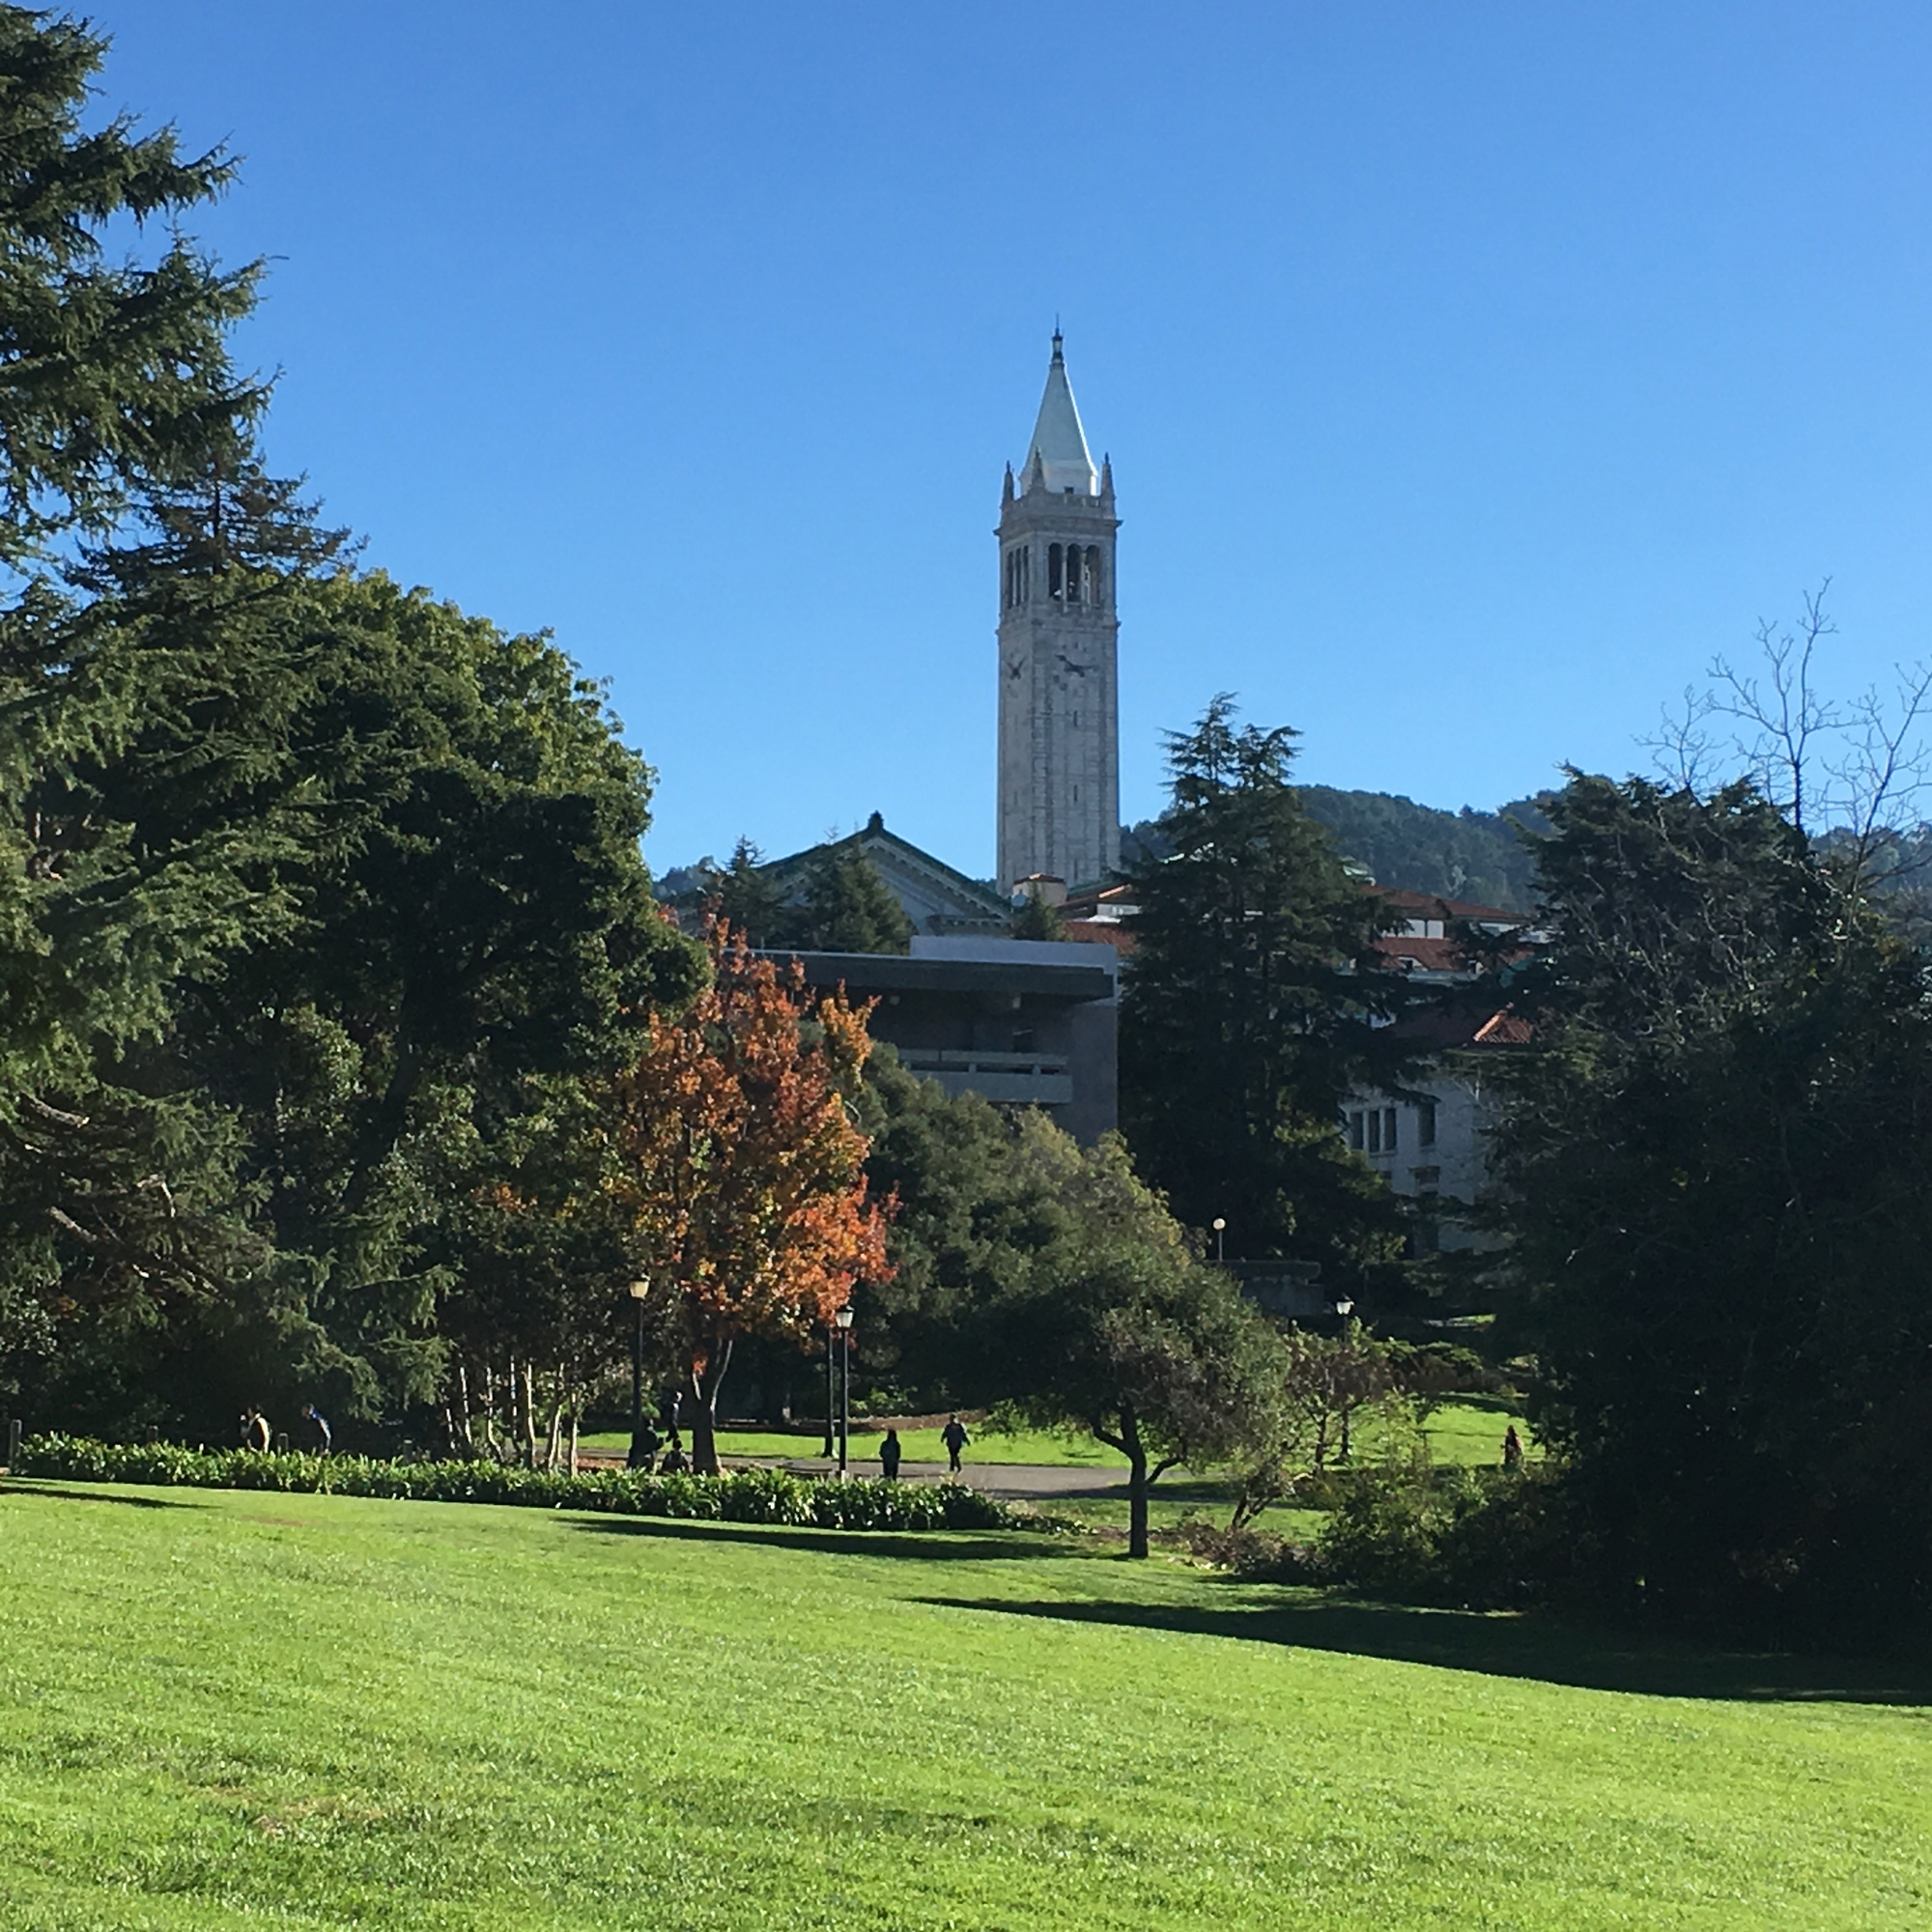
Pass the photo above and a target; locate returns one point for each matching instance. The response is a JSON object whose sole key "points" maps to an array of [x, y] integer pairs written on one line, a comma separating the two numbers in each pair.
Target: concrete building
{"points": [[1026, 1023], [1059, 750]]}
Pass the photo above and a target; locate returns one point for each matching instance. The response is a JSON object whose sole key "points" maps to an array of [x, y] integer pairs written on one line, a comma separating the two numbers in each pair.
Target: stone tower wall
{"points": [[1060, 785]]}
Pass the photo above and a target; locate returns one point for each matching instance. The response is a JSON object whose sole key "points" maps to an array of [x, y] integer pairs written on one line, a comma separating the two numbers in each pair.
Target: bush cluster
{"points": [[742, 1495], [1478, 1537]]}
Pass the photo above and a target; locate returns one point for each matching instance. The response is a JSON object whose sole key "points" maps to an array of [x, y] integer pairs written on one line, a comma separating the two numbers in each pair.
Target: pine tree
{"points": [[1251, 1007]]}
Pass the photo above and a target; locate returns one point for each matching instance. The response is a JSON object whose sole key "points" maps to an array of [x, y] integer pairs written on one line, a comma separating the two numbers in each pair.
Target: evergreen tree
{"points": [[114, 378], [848, 908], [1251, 1010], [1038, 918], [1714, 1160]]}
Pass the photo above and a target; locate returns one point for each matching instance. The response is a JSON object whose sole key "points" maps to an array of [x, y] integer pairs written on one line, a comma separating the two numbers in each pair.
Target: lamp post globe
{"points": [[843, 1319], [1220, 1226]]}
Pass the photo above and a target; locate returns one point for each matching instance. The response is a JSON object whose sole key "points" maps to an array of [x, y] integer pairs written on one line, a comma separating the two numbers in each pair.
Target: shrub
{"points": [[1484, 1538], [742, 1495]]}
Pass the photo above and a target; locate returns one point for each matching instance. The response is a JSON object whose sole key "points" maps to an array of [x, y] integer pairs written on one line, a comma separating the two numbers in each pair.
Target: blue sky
{"points": [[1471, 374]]}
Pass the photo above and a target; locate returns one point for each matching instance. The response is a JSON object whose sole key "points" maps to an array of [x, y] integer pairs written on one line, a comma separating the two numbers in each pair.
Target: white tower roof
{"points": [[1058, 440]]}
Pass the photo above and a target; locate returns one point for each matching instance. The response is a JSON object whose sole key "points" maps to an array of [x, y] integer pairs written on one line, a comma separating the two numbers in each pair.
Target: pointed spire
{"points": [[1059, 442], [1007, 488], [1107, 481]]}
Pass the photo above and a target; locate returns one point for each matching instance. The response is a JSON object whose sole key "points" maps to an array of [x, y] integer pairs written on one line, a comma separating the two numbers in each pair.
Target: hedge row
{"points": [[742, 1495]]}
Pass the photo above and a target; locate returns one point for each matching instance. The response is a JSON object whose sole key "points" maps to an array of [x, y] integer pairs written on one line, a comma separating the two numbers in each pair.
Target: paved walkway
{"points": [[1011, 1481]]}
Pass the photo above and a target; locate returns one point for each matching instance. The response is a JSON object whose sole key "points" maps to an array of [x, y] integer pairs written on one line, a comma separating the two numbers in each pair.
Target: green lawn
{"points": [[1459, 1431], [247, 1710]]}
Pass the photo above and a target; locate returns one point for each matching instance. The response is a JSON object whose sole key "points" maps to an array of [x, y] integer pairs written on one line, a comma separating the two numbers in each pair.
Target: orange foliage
{"points": [[738, 1172]]}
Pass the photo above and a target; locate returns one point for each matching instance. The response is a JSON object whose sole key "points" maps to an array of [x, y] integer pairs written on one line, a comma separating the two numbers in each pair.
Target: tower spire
{"points": [[1058, 440]]}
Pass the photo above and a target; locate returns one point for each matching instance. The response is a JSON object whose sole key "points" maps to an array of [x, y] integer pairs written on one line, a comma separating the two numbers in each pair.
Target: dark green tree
{"points": [[847, 907], [746, 897], [115, 377], [1252, 1007], [1038, 918], [1121, 1332], [1714, 1162]]}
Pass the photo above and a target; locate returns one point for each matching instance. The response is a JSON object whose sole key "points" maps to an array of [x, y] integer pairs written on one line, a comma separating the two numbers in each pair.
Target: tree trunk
{"points": [[572, 1442], [704, 1389], [553, 1449], [524, 1394], [1137, 1481]]}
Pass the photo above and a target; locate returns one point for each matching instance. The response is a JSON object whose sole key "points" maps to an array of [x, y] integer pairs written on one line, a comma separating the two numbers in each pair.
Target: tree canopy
{"points": [[1252, 1008], [1714, 1163]]}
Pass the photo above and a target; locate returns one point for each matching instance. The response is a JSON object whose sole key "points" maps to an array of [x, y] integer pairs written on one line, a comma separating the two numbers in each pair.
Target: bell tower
{"points": [[1060, 762]]}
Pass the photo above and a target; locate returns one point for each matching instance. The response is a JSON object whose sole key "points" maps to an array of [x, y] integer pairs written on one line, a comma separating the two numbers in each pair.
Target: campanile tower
{"points": [[1060, 757]]}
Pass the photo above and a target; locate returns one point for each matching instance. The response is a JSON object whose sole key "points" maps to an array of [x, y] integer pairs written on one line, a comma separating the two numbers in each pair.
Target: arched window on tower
{"points": [[1074, 573], [1055, 558], [1026, 574], [1093, 595]]}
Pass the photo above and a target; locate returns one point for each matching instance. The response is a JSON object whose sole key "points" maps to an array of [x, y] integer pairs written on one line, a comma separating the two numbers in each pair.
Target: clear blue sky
{"points": [[1471, 373]]}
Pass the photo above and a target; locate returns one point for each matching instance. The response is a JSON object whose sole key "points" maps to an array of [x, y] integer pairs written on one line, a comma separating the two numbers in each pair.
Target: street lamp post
{"points": [[1220, 1233], [831, 1397], [1345, 1307], [844, 1320], [637, 1290]]}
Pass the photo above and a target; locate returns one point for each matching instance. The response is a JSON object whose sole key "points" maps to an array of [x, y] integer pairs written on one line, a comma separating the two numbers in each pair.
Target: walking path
{"points": [[1009, 1481]]}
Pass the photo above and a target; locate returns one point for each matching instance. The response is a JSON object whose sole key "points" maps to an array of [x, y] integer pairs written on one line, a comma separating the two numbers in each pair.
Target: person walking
{"points": [[956, 1438], [325, 1437], [1512, 1449], [256, 1433], [890, 1452]]}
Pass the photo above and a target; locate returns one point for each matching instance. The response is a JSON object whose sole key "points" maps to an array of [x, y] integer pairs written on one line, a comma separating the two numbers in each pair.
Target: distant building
{"points": [[937, 899], [1429, 1141], [1060, 750], [1025, 1023]]}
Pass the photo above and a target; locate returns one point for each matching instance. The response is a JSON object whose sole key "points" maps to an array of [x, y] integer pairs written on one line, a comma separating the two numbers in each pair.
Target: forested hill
{"points": [[1462, 855]]}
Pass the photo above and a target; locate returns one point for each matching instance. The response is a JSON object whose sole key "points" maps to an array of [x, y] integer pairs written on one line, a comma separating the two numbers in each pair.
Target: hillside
{"points": [[1462, 855]]}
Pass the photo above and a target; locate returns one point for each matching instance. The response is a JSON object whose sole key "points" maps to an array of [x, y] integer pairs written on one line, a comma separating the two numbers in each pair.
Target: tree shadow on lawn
{"points": [[1508, 1645], [68, 1492], [978, 1545]]}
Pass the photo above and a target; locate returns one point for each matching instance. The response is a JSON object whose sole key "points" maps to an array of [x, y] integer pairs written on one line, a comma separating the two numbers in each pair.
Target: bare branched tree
{"points": [[1853, 772]]}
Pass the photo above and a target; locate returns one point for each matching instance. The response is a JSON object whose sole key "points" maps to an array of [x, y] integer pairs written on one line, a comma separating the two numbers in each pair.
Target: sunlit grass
{"points": [[225, 1710]]}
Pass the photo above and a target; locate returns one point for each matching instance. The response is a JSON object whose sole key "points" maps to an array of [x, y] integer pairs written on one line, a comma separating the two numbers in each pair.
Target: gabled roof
{"points": [[1058, 438], [936, 898]]}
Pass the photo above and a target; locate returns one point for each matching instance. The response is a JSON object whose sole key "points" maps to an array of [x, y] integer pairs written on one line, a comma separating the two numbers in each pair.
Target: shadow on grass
{"points": [[68, 1492], [975, 1546], [1536, 1647]]}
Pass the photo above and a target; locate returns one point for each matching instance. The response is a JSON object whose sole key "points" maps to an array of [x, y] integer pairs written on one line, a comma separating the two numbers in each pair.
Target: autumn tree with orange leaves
{"points": [[736, 1170]]}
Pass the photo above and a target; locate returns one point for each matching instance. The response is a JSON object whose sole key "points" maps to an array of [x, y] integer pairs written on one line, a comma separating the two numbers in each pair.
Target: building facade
{"points": [[1022, 1022], [1059, 752]]}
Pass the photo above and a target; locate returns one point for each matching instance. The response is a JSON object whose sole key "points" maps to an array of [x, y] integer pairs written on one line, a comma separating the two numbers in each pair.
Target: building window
{"points": [[1388, 1129], [1355, 1130], [1094, 574], [1074, 573], [1375, 1130], [1425, 1124], [1055, 558]]}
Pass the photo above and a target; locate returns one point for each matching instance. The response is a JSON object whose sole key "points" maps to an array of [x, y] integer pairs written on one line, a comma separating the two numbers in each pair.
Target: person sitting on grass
{"points": [[888, 1456], [673, 1463], [956, 1438]]}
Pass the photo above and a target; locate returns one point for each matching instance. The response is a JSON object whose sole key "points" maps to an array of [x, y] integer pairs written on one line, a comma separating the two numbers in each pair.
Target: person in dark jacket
{"points": [[890, 1452], [956, 1438], [1512, 1449]]}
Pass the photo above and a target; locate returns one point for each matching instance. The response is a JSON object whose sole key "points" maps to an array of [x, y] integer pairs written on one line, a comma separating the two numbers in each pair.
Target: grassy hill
{"points": [[1468, 854], [233, 1711]]}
